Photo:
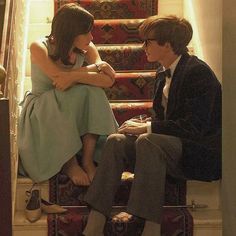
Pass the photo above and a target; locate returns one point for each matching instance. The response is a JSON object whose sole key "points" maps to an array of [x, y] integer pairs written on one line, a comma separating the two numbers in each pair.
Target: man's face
{"points": [[154, 51]]}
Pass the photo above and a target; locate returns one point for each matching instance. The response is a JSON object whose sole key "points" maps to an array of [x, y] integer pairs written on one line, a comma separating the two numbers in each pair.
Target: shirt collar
{"points": [[173, 65]]}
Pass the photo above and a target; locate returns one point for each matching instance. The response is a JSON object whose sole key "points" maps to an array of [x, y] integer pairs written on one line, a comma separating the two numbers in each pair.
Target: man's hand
{"points": [[133, 128]]}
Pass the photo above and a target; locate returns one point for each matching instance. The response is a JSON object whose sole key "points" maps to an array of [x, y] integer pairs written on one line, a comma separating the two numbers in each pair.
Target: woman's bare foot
{"points": [[77, 175], [90, 169], [122, 217]]}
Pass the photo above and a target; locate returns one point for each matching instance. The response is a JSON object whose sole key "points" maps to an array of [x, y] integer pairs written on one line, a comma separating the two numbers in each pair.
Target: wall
{"points": [[2, 12], [170, 7], [229, 118], [206, 19]]}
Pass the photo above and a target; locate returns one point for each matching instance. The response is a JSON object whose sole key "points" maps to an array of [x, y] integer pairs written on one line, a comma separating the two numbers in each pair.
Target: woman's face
{"points": [[82, 41]]}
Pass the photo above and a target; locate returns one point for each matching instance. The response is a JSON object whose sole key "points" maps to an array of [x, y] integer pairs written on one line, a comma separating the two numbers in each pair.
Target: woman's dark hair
{"points": [[176, 31], [70, 21]]}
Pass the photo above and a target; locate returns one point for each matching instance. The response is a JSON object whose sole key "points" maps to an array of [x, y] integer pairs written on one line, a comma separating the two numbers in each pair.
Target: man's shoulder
{"points": [[192, 64]]}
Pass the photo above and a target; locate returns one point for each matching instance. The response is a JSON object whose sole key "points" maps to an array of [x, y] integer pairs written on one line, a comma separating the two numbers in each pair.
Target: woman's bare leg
{"points": [[89, 143], [78, 176]]}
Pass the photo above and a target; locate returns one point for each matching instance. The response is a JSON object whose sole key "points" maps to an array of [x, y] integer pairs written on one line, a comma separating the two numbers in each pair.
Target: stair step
{"points": [[206, 223], [125, 57], [132, 86], [63, 192], [22, 227], [125, 110], [208, 193], [119, 9], [111, 31], [24, 184], [115, 31]]}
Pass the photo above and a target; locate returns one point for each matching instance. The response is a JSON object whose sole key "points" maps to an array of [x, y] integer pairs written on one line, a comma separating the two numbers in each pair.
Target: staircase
{"points": [[118, 44]]}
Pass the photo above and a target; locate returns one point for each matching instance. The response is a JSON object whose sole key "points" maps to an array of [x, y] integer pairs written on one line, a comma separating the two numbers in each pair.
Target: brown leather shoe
{"points": [[33, 206], [51, 208]]}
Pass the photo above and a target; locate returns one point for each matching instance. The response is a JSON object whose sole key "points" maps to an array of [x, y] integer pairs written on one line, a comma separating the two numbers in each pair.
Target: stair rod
{"points": [[193, 206]]}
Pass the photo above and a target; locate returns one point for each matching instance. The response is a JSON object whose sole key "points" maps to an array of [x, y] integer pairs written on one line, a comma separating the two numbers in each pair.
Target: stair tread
{"points": [[26, 180], [207, 217], [200, 217], [20, 220]]}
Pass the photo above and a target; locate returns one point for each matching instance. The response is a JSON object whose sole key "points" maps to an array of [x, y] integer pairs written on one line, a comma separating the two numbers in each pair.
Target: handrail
{"points": [[5, 165], [2, 79]]}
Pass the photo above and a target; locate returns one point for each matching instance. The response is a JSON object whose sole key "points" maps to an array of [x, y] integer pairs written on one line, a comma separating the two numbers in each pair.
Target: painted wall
{"points": [[206, 19], [229, 118]]}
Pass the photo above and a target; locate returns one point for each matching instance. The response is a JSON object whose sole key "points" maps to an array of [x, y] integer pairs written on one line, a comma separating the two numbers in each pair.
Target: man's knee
{"points": [[115, 142], [115, 138], [143, 139]]}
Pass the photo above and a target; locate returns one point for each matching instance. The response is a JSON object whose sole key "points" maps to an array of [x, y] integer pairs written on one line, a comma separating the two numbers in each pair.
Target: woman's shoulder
{"points": [[40, 44]]}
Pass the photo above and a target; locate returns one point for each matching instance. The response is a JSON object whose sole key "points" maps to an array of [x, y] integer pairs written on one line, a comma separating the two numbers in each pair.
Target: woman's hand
{"points": [[106, 69], [62, 83]]}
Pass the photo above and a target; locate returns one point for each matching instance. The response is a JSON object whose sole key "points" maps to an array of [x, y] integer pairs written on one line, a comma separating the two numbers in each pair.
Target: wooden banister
{"points": [[5, 170]]}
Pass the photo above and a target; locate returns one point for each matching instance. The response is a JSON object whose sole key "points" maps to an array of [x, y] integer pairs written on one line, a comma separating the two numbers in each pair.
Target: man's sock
{"points": [[95, 224], [151, 229]]}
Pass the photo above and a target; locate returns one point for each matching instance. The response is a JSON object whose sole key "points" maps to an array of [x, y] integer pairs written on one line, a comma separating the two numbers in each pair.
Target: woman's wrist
{"points": [[98, 66]]}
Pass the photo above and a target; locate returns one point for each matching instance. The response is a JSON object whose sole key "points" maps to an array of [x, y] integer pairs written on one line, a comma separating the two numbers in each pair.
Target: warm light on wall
{"points": [[191, 16], [24, 51]]}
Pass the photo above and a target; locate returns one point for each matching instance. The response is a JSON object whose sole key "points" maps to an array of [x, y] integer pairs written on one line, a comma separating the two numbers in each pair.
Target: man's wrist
{"points": [[149, 127]]}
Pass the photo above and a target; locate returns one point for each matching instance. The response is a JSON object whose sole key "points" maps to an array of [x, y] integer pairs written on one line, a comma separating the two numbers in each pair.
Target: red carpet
{"points": [[175, 222], [118, 9]]}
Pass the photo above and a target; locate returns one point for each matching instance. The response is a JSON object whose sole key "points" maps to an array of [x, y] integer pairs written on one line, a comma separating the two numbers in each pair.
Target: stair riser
{"points": [[22, 231], [116, 31], [125, 111], [126, 57], [106, 31], [132, 86], [21, 196], [29, 231], [208, 231], [119, 9], [204, 193]]}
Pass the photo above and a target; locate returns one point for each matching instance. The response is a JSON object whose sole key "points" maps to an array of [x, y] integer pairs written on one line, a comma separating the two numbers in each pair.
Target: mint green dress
{"points": [[52, 122]]}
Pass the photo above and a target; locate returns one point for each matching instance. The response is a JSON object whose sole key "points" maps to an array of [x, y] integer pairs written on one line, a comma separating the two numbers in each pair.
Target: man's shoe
{"points": [[33, 206], [51, 208]]}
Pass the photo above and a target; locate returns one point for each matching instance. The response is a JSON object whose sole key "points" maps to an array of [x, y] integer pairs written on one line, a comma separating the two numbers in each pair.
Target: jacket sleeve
{"points": [[197, 108]]}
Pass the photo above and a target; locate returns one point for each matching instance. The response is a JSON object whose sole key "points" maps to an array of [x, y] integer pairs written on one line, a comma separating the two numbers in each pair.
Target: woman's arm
{"points": [[64, 78], [97, 65]]}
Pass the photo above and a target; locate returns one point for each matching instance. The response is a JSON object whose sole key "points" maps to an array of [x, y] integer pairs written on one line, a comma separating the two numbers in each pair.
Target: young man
{"points": [[183, 140]]}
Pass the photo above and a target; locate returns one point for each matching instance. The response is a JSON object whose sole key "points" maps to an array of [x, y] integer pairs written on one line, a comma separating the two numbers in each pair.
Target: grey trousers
{"points": [[151, 156]]}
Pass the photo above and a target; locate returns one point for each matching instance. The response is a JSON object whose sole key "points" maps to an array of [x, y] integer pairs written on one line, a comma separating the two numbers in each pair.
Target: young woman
{"points": [[67, 109]]}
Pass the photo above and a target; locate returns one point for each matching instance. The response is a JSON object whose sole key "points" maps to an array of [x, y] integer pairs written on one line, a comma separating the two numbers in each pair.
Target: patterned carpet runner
{"points": [[175, 222], [116, 36], [118, 9], [113, 31], [64, 192]]}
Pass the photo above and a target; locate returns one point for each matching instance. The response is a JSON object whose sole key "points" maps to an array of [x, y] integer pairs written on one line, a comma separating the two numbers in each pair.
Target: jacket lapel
{"points": [[176, 82]]}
